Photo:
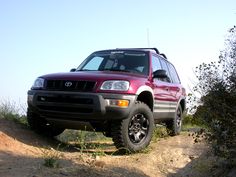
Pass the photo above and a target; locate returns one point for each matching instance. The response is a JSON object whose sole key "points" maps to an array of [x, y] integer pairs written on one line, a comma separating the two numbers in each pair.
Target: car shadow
{"points": [[23, 134], [15, 165]]}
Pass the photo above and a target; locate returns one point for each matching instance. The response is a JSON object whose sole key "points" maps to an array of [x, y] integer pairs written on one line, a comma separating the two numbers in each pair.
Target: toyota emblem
{"points": [[68, 84]]}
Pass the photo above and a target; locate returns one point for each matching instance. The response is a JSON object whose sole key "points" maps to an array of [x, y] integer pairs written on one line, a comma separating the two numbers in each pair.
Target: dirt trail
{"points": [[22, 155]]}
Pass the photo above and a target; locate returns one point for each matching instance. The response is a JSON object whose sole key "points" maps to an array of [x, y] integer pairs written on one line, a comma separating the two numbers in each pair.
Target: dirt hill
{"points": [[23, 153]]}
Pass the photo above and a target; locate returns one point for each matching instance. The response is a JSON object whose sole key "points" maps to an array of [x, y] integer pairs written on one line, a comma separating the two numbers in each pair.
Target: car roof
{"points": [[134, 49], [153, 50]]}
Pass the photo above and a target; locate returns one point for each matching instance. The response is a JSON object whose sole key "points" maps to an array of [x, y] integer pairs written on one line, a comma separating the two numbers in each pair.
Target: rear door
{"points": [[173, 86], [176, 88]]}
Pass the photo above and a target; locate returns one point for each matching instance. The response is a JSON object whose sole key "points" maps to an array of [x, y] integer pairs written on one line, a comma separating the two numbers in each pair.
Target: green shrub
{"points": [[51, 157], [159, 132], [217, 110], [9, 110], [188, 119], [192, 120]]}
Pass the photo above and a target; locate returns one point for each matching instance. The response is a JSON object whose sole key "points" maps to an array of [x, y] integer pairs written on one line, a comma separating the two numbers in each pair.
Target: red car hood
{"points": [[93, 76]]}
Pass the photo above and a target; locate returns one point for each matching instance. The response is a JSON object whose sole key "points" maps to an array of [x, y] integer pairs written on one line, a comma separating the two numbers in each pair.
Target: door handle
{"points": [[167, 89]]}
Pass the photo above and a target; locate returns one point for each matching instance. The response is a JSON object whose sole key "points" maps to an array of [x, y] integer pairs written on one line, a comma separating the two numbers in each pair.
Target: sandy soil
{"points": [[22, 154]]}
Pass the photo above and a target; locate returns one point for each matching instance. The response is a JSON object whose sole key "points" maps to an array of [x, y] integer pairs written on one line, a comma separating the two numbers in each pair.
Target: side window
{"points": [[156, 65], [173, 74], [165, 67]]}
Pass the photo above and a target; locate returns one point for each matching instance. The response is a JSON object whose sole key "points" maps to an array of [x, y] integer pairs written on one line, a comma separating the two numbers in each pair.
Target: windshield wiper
{"points": [[86, 70]]}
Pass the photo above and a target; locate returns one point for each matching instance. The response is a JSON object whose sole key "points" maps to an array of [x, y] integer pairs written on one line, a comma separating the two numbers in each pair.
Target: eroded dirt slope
{"points": [[22, 154]]}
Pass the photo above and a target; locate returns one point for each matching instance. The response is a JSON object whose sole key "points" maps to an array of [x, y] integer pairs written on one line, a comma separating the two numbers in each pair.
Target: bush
{"points": [[192, 120], [51, 157], [9, 110], [217, 109]]}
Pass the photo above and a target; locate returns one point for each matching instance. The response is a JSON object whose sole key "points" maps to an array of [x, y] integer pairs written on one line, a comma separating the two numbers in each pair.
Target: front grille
{"points": [[65, 103], [68, 85], [64, 99]]}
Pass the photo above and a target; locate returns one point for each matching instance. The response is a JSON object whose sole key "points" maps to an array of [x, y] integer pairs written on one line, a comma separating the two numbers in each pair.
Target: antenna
{"points": [[148, 41]]}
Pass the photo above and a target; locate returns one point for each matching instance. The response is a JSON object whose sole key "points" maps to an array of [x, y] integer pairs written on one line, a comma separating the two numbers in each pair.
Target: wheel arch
{"points": [[182, 103], [145, 95]]}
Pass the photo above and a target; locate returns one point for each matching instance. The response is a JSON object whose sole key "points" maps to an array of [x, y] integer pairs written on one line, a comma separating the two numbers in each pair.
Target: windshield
{"points": [[123, 61]]}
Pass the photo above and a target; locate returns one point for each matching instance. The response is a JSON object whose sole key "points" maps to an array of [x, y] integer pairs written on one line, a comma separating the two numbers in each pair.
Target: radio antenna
{"points": [[148, 41]]}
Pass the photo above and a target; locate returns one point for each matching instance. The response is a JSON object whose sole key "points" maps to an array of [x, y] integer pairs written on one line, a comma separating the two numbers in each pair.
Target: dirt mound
{"points": [[17, 139], [7, 142], [22, 154]]}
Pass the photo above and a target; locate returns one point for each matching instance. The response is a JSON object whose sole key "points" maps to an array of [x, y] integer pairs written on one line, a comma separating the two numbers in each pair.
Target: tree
{"points": [[217, 110]]}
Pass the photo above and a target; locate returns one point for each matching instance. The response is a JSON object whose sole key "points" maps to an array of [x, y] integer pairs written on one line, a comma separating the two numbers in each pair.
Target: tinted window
{"points": [[156, 65], [165, 67], [123, 61], [173, 74]]}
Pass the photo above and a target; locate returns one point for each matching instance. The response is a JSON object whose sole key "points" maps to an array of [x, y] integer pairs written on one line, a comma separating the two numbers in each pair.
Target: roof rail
{"points": [[155, 49], [163, 55]]}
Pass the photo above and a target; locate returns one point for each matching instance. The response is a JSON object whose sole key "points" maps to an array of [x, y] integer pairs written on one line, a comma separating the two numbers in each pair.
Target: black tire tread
{"points": [[116, 131], [170, 125], [116, 128], [39, 125]]}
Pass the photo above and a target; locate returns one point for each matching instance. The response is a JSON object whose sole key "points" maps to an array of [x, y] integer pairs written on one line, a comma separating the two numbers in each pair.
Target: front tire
{"points": [[175, 125], [135, 132], [41, 126]]}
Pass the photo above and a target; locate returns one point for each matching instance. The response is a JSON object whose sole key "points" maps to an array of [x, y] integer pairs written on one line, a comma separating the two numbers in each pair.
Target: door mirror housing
{"points": [[161, 75]]}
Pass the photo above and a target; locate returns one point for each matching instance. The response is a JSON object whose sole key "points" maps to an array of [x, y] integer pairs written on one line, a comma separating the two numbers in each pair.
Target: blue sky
{"points": [[39, 37]]}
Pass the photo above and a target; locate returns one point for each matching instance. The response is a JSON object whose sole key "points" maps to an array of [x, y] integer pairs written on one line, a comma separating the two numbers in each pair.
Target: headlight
{"points": [[38, 83], [115, 85]]}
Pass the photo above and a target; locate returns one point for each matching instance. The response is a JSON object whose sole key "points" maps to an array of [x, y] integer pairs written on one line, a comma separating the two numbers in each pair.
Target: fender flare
{"points": [[145, 88]]}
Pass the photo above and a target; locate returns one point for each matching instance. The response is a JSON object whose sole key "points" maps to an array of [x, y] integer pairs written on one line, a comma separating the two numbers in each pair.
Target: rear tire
{"points": [[135, 132], [41, 126], [175, 125]]}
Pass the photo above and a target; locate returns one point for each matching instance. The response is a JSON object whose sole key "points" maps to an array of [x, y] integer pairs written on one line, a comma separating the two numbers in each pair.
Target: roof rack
{"points": [[155, 49], [163, 55]]}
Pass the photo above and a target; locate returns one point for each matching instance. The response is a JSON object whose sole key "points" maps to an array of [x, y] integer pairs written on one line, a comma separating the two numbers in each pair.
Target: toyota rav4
{"points": [[121, 92]]}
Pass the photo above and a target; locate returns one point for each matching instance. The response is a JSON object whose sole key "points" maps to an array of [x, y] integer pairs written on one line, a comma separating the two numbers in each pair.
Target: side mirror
{"points": [[73, 70], [161, 74]]}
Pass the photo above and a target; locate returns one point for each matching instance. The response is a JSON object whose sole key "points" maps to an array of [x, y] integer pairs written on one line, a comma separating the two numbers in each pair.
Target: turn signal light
{"points": [[119, 103], [122, 103]]}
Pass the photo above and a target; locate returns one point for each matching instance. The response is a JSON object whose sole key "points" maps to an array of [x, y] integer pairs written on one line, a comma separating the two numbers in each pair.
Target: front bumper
{"points": [[76, 106]]}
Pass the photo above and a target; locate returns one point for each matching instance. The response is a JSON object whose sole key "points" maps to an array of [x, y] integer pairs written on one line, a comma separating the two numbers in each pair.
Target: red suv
{"points": [[121, 92]]}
